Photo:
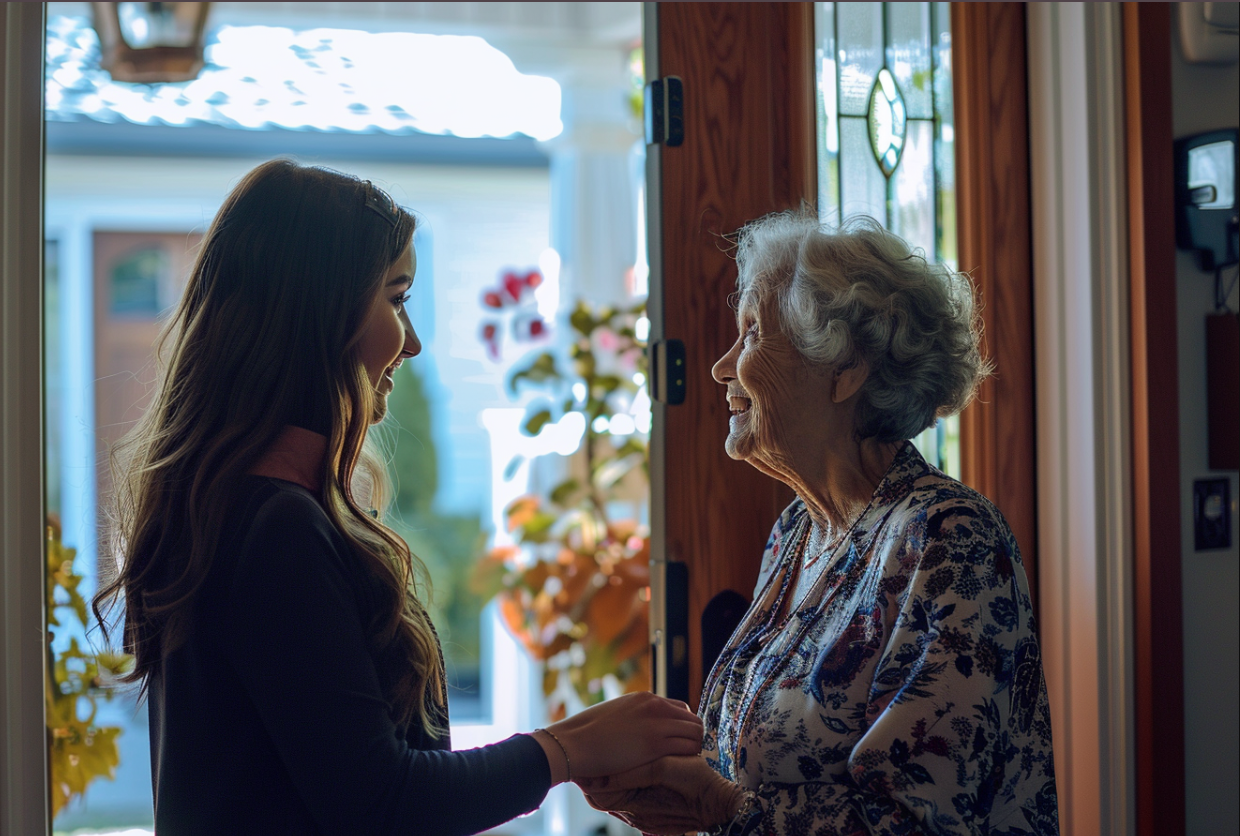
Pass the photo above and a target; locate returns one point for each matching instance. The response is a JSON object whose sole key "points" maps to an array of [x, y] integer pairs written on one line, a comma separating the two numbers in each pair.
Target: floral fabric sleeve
{"points": [[951, 735]]}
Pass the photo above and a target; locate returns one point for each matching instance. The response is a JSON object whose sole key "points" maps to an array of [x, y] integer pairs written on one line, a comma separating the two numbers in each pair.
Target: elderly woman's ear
{"points": [[847, 382]]}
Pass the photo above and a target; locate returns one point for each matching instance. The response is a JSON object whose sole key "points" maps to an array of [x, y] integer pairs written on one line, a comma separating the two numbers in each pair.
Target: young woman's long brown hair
{"points": [[265, 336]]}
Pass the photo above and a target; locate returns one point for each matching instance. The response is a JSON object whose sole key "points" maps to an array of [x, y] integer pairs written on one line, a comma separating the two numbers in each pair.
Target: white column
{"points": [[593, 202]]}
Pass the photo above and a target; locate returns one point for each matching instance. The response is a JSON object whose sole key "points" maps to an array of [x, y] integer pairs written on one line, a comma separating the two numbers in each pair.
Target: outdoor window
{"points": [[885, 138]]}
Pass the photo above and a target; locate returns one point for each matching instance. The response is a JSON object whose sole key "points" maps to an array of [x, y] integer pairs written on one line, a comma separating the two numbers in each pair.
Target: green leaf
{"points": [[537, 528], [535, 422], [615, 469], [563, 491], [607, 382], [542, 369], [585, 365], [632, 445], [581, 320]]}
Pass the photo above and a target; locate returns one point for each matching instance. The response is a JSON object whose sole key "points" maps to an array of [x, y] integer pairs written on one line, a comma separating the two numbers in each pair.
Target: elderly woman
{"points": [[887, 677]]}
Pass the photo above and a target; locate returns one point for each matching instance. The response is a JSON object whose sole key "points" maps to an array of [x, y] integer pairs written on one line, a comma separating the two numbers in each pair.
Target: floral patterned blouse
{"points": [[904, 693]]}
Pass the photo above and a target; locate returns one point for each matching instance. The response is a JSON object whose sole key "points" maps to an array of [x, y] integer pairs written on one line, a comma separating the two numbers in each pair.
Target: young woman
{"points": [[295, 680]]}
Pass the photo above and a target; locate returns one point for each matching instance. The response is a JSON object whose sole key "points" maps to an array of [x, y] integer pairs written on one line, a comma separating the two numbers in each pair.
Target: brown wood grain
{"points": [[994, 227], [749, 150], [1157, 610]]}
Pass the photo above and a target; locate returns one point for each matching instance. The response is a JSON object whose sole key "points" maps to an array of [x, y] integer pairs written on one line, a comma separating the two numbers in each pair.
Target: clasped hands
{"points": [[670, 796], [638, 758]]}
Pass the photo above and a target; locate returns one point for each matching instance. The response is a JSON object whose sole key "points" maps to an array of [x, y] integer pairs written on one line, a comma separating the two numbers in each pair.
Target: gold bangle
{"points": [[568, 764]]}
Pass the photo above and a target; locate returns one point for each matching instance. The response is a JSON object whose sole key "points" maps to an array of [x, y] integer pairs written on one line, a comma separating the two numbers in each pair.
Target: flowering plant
{"points": [[575, 590], [80, 751]]}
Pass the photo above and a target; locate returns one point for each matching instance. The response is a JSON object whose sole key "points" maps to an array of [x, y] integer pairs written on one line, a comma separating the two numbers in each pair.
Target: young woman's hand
{"points": [[670, 796], [624, 733]]}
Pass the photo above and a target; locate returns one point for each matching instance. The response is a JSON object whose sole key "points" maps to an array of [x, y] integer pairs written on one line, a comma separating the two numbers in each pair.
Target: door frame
{"points": [[23, 649], [1157, 579], [997, 435]]}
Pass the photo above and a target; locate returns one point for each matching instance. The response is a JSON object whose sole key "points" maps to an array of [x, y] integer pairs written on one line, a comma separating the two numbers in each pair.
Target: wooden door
{"points": [[748, 150]]}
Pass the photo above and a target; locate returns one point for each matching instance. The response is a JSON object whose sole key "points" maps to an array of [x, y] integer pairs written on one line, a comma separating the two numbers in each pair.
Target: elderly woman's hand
{"points": [[667, 797], [620, 734]]}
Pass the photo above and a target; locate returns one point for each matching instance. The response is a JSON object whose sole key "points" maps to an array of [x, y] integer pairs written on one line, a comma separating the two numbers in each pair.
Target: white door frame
{"points": [[23, 735], [1082, 379]]}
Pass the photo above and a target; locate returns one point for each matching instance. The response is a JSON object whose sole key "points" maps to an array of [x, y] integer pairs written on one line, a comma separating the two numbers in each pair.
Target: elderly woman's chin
{"points": [[740, 441]]}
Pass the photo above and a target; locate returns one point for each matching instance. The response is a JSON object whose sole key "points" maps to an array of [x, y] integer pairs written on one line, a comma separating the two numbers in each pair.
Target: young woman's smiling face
{"points": [[388, 337]]}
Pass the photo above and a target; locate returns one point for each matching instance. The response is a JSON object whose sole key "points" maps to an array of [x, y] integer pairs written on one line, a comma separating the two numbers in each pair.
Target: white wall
{"points": [[1205, 98]]}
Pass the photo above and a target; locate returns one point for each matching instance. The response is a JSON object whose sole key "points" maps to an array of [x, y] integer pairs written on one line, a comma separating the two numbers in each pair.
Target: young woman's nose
{"points": [[412, 346], [724, 369]]}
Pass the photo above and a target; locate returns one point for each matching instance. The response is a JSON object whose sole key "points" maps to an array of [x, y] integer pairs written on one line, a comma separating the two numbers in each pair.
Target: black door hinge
{"points": [[667, 371], [665, 111]]}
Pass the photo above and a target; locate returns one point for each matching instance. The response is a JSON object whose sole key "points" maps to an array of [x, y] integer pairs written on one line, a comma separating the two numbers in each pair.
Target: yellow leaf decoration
{"points": [[79, 751]]}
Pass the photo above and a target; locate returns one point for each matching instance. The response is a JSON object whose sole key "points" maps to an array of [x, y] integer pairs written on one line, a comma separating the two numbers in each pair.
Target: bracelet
{"points": [[746, 816], [568, 764]]}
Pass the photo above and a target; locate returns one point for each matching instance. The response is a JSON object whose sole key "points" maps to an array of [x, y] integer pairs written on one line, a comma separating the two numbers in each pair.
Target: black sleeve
{"points": [[299, 648]]}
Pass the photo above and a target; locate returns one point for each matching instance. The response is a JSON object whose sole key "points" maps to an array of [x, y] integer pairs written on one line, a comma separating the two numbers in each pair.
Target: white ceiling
{"points": [[595, 24]]}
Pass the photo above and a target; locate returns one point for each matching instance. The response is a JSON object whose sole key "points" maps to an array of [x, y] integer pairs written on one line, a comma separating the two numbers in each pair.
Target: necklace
{"points": [[831, 545], [792, 596]]}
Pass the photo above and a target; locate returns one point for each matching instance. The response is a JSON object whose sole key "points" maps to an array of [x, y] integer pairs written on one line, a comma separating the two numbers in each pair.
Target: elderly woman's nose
{"points": [[724, 369]]}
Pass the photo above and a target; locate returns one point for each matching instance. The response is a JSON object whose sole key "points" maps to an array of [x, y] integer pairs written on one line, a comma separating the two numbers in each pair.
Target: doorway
{"points": [[136, 171]]}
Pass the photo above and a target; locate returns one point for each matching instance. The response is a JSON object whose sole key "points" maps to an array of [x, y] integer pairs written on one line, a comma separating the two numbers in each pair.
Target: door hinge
{"points": [[667, 371], [665, 111]]}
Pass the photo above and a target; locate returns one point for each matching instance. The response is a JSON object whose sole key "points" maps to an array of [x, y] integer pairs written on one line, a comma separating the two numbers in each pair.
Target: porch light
{"points": [[151, 43]]}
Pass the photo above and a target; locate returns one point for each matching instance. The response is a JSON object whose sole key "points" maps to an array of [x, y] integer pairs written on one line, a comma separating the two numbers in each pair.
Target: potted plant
{"points": [[575, 590]]}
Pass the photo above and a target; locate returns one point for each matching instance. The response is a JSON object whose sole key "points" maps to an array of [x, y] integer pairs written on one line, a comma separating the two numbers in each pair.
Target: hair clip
{"points": [[379, 202]]}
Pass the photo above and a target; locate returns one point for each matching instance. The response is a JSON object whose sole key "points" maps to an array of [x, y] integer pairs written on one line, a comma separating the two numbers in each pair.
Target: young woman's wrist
{"points": [[557, 756]]}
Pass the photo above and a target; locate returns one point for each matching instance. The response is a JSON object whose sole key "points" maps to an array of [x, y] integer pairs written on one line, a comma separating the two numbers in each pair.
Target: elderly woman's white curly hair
{"points": [[859, 293]]}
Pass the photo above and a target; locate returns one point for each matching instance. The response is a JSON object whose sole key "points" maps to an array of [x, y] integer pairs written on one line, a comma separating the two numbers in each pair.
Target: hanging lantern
{"points": [[151, 42]]}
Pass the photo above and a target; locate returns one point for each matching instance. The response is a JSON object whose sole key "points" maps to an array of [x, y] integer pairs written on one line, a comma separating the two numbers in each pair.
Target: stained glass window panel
{"points": [[914, 193], [827, 117], [863, 188], [908, 55], [945, 135], [859, 27], [912, 189]]}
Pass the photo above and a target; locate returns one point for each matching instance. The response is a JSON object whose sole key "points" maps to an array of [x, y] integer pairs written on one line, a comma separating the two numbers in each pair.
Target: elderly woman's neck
{"points": [[839, 483]]}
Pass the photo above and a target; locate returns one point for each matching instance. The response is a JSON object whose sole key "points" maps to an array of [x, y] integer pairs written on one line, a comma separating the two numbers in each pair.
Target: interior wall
{"points": [[1205, 98]]}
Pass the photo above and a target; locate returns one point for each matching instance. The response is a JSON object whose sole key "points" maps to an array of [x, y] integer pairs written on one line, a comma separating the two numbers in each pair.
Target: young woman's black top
{"points": [[270, 719]]}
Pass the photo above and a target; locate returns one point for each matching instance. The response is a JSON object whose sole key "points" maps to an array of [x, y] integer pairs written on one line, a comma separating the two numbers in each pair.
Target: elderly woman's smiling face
{"points": [[778, 401]]}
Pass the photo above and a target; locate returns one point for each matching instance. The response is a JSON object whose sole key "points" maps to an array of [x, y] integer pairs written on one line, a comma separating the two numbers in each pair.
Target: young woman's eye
{"points": [[400, 300]]}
